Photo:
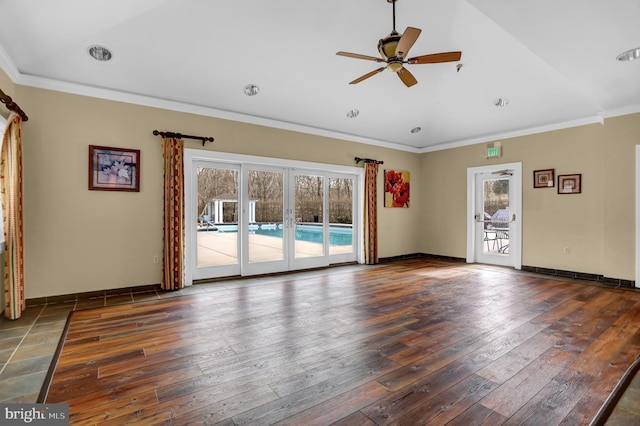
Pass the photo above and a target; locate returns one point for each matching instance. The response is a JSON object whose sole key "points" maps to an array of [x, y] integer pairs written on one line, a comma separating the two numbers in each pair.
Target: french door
{"points": [[265, 224], [253, 218], [289, 223], [216, 242], [494, 205], [309, 229]]}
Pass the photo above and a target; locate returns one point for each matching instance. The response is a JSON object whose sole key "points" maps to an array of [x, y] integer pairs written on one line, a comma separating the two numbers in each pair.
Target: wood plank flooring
{"points": [[408, 343]]}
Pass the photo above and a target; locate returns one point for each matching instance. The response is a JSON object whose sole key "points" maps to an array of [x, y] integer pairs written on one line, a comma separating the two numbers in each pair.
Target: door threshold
{"points": [[270, 274]]}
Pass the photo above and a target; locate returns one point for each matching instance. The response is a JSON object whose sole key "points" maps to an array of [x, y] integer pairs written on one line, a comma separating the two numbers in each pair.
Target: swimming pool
{"points": [[338, 235]]}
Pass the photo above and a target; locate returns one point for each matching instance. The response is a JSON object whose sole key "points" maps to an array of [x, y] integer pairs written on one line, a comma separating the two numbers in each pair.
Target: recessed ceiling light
{"points": [[353, 113], [100, 53], [629, 55], [500, 102], [251, 89], [416, 129]]}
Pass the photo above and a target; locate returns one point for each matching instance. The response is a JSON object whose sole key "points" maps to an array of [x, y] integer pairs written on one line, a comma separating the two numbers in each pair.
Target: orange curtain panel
{"points": [[173, 268], [371, 214], [11, 193]]}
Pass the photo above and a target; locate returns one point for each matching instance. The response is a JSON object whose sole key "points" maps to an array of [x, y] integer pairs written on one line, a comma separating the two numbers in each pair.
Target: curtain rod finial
{"points": [[12, 106]]}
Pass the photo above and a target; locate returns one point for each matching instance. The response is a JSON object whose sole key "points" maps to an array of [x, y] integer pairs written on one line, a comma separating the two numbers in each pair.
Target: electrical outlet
{"points": [[566, 250], [156, 259]]}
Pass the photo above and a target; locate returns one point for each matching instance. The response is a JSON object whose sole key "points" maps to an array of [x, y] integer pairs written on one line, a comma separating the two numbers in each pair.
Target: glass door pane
{"points": [[265, 216], [341, 216], [492, 207], [309, 218], [217, 219], [496, 211]]}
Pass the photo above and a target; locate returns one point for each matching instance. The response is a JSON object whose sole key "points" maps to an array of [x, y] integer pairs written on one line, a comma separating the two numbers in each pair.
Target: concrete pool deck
{"points": [[221, 248]]}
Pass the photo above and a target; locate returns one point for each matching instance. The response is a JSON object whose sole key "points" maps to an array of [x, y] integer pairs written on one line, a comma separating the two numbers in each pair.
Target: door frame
{"points": [[191, 156], [515, 207], [637, 216]]}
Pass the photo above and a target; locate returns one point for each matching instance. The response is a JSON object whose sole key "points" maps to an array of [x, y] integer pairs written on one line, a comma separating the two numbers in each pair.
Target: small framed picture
{"points": [[543, 178], [570, 184], [114, 169]]}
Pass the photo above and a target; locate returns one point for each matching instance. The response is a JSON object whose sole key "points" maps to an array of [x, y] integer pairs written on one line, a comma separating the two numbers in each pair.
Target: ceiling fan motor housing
{"points": [[388, 45]]}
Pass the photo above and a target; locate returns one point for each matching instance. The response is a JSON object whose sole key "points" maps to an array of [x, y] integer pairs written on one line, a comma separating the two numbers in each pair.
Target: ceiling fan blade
{"points": [[364, 77], [436, 58], [358, 56], [407, 78], [406, 41]]}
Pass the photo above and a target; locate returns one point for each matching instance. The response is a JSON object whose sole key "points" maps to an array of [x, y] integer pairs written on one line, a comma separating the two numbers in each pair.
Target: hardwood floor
{"points": [[408, 343]]}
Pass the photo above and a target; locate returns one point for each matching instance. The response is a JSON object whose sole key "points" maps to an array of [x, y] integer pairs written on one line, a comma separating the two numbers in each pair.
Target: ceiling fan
{"points": [[394, 48]]}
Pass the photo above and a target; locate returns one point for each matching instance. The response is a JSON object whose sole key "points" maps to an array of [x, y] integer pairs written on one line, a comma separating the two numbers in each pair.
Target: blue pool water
{"points": [[338, 235]]}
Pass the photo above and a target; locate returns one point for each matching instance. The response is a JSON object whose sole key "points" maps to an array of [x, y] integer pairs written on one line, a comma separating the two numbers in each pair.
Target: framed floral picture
{"points": [[570, 184], [114, 169], [396, 188]]}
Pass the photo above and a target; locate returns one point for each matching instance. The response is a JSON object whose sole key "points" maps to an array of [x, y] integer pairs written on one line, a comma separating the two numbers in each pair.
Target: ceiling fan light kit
{"points": [[629, 55], [394, 48]]}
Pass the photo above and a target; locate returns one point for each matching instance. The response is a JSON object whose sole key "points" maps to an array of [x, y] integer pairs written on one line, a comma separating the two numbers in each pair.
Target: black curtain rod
{"points": [[368, 160], [6, 99], [181, 136]]}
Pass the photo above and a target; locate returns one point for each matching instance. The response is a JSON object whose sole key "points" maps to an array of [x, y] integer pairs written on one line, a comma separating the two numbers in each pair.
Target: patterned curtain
{"points": [[173, 269], [11, 194], [371, 214]]}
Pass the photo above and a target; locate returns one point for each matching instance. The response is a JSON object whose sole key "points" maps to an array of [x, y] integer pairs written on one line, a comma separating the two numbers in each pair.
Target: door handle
{"points": [[477, 219]]}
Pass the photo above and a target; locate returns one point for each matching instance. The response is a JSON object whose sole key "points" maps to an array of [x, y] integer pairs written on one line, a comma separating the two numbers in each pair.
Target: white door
{"points": [[344, 235], [494, 205], [216, 207], [267, 220], [638, 216], [246, 215], [309, 224]]}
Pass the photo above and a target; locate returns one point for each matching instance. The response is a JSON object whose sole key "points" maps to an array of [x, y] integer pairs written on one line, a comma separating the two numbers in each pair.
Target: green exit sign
{"points": [[493, 151]]}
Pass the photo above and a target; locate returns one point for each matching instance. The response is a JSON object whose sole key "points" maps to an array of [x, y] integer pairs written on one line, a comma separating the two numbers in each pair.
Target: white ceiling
{"points": [[555, 60]]}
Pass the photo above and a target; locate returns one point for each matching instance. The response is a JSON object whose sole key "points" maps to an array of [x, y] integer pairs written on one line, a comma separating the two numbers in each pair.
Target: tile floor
{"points": [[628, 408]]}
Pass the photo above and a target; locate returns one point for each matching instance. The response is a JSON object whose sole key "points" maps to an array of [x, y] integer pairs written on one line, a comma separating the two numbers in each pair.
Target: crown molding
{"points": [[132, 98], [596, 119], [96, 92]]}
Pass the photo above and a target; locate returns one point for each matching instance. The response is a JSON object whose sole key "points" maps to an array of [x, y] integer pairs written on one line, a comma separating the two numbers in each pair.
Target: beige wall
{"points": [[621, 135], [598, 225], [79, 240]]}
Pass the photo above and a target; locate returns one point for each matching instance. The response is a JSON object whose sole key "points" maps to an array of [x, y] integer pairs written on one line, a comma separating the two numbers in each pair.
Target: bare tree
{"points": [[266, 189]]}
